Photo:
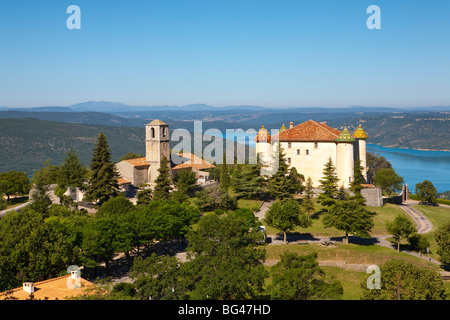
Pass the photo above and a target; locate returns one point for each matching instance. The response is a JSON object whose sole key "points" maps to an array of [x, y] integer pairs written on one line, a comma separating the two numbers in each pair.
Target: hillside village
{"points": [[142, 222]]}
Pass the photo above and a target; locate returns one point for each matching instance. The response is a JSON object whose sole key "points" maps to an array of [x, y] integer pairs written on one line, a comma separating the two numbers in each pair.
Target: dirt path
{"points": [[423, 224]]}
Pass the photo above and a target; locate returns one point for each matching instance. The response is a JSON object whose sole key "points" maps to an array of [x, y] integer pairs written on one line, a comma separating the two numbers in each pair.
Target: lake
{"points": [[418, 165], [413, 165]]}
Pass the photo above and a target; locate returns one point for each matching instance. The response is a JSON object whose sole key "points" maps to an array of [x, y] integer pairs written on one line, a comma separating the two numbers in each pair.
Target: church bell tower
{"points": [[156, 146]]}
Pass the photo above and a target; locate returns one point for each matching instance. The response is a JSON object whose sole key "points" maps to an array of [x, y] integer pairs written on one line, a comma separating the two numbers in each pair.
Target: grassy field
{"points": [[438, 217], [349, 253], [382, 214]]}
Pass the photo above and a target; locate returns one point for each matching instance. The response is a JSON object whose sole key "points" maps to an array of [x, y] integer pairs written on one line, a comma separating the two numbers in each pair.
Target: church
{"points": [[144, 171], [309, 145]]}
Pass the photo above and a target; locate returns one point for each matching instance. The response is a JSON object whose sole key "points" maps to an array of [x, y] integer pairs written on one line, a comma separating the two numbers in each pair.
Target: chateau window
{"points": [[289, 145], [289, 160], [153, 132], [307, 152], [298, 152], [316, 145], [349, 179]]}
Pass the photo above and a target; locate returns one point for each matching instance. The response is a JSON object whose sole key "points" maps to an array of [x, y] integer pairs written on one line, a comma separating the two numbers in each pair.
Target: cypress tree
{"points": [[103, 181], [163, 181], [224, 176]]}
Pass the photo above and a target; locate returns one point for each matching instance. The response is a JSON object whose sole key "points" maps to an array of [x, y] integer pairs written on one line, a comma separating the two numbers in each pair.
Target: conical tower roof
{"points": [[345, 136], [282, 129], [360, 133]]}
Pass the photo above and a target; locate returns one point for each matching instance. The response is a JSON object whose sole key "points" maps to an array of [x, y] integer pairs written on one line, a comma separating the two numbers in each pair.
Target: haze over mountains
{"points": [[117, 107]]}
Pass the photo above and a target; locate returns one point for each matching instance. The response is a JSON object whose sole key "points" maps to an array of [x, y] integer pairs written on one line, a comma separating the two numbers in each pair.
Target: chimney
{"points": [[291, 125], [28, 287]]}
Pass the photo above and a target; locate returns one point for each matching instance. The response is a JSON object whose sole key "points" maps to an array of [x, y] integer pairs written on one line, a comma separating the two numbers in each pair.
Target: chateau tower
{"points": [[360, 151], [264, 146], [345, 158], [156, 146]]}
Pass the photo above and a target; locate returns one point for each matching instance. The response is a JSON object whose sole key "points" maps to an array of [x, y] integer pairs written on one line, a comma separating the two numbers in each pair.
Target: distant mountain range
{"points": [[117, 107]]}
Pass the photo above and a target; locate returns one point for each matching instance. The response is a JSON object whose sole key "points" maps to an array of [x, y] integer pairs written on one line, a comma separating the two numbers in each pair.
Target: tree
{"points": [[358, 180], [401, 280], [41, 186], [250, 219], [131, 155], [418, 242], [308, 200], [103, 181], [115, 206], [224, 261], [224, 174], [249, 183], [159, 278], [388, 180], [163, 181], [328, 184], [186, 182], [295, 181], [279, 185], [285, 216], [144, 196], [400, 228], [297, 277], [426, 192], [100, 242], [442, 237], [349, 216], [72, 173], [14, 183], [374, 163]]}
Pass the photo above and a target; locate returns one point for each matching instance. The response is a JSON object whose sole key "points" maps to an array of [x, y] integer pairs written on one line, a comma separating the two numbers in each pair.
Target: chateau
{"points": [[309, 145]]}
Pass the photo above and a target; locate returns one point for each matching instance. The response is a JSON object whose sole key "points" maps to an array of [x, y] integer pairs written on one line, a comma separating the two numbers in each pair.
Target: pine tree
{"points": [[278, 186], [103, 181], [328, 185], [308, 202], [163, 181]]}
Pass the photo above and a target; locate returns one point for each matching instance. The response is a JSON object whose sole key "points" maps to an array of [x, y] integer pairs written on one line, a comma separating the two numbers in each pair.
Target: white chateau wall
{"points": [[310, 165]]}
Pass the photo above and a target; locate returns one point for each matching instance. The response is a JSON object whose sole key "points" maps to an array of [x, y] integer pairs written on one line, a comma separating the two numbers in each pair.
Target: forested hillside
{"points": [[26, 143]]}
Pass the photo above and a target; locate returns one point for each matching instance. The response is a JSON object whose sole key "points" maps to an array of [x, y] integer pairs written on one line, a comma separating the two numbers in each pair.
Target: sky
{"points": [[275, 53]]}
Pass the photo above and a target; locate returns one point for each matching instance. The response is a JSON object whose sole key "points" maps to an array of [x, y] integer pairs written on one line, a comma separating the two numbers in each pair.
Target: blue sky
{"points": [[282, 53]]}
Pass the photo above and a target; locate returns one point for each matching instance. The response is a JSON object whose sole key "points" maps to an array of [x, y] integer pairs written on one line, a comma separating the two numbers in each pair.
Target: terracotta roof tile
{"points": [[51, 289], [189, 160], [138, 162], [309, 131], [123, 181]]}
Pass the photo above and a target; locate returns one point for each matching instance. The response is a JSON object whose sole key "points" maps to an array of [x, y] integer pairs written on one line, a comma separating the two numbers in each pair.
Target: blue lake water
{"points": [[418, 165], [413, 165]]}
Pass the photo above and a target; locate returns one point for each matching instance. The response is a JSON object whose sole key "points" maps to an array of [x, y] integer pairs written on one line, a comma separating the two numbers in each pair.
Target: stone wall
{"points": [[373, 197]]}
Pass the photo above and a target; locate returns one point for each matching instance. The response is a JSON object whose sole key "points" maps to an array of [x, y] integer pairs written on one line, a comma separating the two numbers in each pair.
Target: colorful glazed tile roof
{"points": [[283, 128], [309, 131], [51, 289], [360, 133], [263, 135], [345, 136]]}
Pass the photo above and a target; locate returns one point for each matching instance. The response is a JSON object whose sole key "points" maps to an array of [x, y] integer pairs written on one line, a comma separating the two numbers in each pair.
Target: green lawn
{"points": [[438, 217], [350, 280], [382, 214], [249, 204], [350, 253]]}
